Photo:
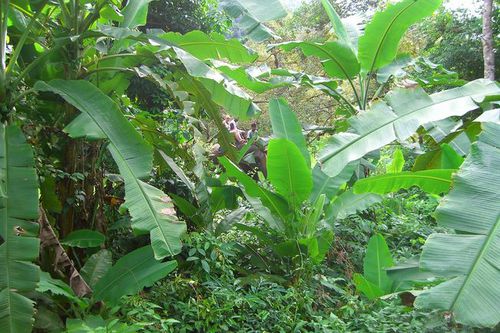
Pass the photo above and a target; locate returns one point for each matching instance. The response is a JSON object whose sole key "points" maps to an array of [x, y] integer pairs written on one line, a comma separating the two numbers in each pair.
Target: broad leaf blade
{"points": [[399, 119], [336, 22], [20, 245], [444, 158], [330, 186], [338, 60], [286, 125], [288, 171], [222, 91], [150, 208], [131, 274], [349, 203], [84, 238], [432, 181], [135, 13], [377, 259], [96, 267], [249, 16], [367, 288], [379, 44], [213, 46], [275, 203], [152, 211], [472, 258]]}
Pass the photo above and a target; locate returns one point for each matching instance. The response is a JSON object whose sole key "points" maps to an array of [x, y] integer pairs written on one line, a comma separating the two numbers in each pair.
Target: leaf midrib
{"points": [[392, 121], [386, 32]]}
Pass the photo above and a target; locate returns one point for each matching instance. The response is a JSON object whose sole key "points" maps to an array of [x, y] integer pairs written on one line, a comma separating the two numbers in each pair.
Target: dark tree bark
{"points": [[488, 50]]}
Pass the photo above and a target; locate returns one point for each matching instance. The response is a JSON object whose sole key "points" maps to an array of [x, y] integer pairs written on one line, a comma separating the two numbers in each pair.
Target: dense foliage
{"points": [[131, 202]]}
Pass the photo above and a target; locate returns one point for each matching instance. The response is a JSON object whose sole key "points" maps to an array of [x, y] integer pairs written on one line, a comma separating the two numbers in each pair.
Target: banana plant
{"points": [[303, 203], [466, 259], [357, 60]]}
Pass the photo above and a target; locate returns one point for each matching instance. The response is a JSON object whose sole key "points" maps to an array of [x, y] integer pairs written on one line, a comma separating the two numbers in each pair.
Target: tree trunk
{"points": [[488, 51]]}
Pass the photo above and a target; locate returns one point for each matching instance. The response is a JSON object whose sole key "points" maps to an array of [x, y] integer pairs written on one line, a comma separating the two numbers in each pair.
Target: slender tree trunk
{"points": [[488, 50]]}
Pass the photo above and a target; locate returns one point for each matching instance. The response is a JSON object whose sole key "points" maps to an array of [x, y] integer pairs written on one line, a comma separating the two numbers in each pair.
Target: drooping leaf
{"points": [[104, 113], [253, 78], [471, 258], [204, 97], [250, 16], [379, 44], [288, 171], [224, 197], [286, 125], [178, 171], [349, 203], [96, 267], [152, 211], [431, 181], [399, 119], [222, 91], [323, 184], [338, 60], [276, 204], [131, 274], [150, 208], [84, 238], [56, 287], [213, 46], [18, 232]]}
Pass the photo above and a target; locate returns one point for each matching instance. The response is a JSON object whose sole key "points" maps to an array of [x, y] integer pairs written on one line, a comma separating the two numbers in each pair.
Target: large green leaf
{"points": [[472, 256], [323, 184], [84, 238], [150, 208], [286, 125], [375, 281], [397, 163], [106, 115], [253, 77], [213, 46], [222, 91], [288, 171], [444, 158], [349, 203], [275, 203], [152, 211], [339, 60], [131, 274], [249, 16], [135, 13], [407, 109], [96, 267], [379, 44], [432, 181], [18, 232]]}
